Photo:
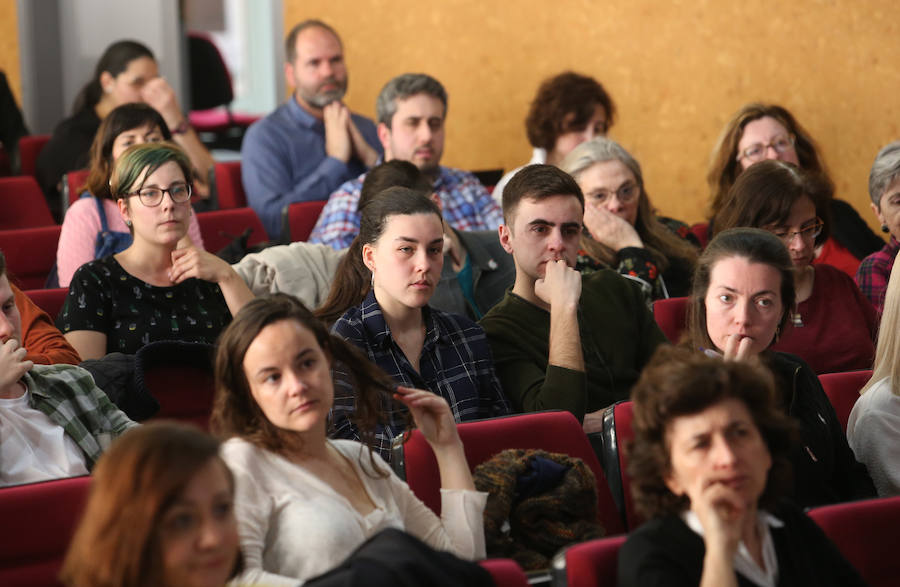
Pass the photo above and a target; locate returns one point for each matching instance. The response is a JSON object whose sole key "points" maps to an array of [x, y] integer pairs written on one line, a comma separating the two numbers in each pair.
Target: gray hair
{"points": [[403, 87], [600, 150], [885, 170]]}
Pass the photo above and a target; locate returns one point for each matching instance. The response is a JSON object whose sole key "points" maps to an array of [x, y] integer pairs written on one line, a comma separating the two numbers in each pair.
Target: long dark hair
{"points": [[236, 413], [115, 60], [121, 119], [352, 281]]}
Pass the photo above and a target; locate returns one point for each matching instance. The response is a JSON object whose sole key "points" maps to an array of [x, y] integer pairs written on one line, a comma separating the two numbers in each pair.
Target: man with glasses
{"points": [[561, 340]]}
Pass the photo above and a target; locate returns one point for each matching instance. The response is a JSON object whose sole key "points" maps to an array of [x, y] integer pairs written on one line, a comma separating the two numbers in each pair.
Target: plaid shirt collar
{"points": [[380, 333]]}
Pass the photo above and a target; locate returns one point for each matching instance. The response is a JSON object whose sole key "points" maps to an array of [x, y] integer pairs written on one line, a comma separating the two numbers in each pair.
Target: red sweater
{"points": [[45, 344]]}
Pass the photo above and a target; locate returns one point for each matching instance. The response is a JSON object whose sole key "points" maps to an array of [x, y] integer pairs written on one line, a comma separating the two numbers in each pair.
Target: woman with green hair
{"points": [[152, 290]]}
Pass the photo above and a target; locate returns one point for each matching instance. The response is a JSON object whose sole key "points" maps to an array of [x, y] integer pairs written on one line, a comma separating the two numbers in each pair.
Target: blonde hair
{"points": [[887, 351]]}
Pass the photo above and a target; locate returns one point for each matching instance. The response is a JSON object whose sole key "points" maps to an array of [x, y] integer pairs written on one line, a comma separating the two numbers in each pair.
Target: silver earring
{"points": [[372, 283], [128, 223]]}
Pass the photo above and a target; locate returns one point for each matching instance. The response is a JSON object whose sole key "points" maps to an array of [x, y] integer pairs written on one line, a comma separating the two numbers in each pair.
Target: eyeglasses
{"points": [[809, 233], [624, 194], [757, 151], [153, 196]]}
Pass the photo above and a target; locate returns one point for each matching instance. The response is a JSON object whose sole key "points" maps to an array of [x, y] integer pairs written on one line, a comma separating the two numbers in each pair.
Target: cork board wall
{"points": [[9, 47], [677, 71]]}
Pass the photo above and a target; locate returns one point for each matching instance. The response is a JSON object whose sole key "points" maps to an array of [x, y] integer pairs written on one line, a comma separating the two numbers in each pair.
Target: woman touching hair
{"points": [[305, 502], [160, 512]]}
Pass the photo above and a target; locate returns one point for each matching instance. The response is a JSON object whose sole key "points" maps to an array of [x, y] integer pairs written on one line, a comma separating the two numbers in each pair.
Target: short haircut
{"points": [[290, 42], [394, 173], [536, 182], [129, 168], [135, 482], [403, 87], [121, 119], [754, 245], [681, 382], [568, 93], [885, 169], [765, 193]]}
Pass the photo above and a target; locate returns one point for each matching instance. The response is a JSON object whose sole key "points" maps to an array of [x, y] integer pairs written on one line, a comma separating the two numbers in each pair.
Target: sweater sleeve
{"points": [[77, 238], [44, 343]]}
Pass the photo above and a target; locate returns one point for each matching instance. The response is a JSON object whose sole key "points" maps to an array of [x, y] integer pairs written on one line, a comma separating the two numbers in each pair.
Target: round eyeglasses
{"points": [[152, 196], [624, 194], [757, 151]]}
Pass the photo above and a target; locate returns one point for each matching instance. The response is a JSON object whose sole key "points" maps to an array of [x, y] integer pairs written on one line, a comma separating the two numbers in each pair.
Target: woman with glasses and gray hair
{"points": [[832, 325], [152, 290], [884, 189], [767, 131], [621, 230]]}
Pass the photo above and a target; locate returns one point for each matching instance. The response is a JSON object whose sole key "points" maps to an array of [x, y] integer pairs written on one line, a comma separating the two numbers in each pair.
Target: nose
{"points": [[211, 533], [723, 452], [424, 132], [614, 204], [6, 328], [771, 153], [555, 241], [797, 243], [743, 313], [295, 384]]}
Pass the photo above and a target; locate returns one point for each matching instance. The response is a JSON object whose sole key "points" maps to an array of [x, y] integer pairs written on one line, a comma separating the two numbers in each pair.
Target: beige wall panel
{"points": [[9, 47]]}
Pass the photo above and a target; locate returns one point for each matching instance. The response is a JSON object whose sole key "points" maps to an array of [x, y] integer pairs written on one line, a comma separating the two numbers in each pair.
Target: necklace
{"points": [[796, 318]]}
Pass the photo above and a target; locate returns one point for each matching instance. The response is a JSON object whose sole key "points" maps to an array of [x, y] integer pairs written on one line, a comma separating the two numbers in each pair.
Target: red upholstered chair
{"points": [[29, 148], [589, 564], [556, 432], [30, 254], [617, 432], [505, 572], [180, 377], [671, 316], [73, 184], [843, 391], [39, 520], [220, 227], [701, 231], [298, 220], [228, 186], [49, 300], [23, 204], [865, 531]]}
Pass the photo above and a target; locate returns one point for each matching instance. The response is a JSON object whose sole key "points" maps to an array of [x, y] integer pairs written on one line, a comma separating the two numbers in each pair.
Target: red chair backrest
{"points": [[592, 563], [23, 203], [701, 231], [671, 316], [842, 390], [229, 186], [49, 300], [220, 227], [180, 377], [505, 572], [557, 432], [29, 148], [298, 220], [624, 434], [39, 520], [865, 531], [30, 254], [73, 186]]}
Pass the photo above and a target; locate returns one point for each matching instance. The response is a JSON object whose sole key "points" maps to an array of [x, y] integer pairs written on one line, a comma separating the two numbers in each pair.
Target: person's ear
{"points": [[437, 201], [877, 211], [106, 81], [384, 135], [289, 75], [368, 257], [673, 484], [505, 234], [124, 210]]}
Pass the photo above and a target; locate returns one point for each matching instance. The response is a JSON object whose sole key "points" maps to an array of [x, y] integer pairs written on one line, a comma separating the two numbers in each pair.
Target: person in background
{"points": [[743, 291], [766, 131], [153, 290], [568, 109], [708, 465], [126, 72], [12, 125], [93, 227], [622, 231], [832, 324], [305, 502], [312, 143], [884, 189], [160, 512]]}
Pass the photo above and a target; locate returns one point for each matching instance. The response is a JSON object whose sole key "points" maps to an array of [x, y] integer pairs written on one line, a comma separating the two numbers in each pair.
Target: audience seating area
{"points": [[23, 203], [671, 317], [29, 149], [299, 219], [30, 254], [842, 390]]}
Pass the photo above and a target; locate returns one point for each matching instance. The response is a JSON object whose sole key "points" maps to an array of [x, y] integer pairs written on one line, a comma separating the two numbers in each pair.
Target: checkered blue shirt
{"points": [[466, 206], [455, 363]]}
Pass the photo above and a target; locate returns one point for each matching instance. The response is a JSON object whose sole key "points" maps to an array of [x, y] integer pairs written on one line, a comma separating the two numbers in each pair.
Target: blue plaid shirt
{"points": [[455, 363], [466, 206]]}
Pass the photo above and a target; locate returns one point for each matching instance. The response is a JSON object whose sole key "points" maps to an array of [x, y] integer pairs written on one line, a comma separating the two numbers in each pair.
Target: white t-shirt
{"points": [[873, 431], [33, 447]]}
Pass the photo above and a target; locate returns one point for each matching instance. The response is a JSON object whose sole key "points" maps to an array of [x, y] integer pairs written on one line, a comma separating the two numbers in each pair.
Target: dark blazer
{"points": [[666, 552]]}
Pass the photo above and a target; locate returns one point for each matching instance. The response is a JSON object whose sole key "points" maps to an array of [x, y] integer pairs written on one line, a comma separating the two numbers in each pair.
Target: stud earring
{"points": [[885, 229], [128, 223]]}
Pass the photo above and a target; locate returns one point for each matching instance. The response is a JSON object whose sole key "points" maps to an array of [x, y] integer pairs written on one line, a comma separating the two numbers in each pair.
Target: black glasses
{"points": [[152, 196]]}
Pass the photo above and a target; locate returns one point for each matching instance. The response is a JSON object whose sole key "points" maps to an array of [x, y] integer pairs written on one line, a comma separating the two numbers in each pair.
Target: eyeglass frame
{"points": [[163, 192], [607, 193], [792, 143], [813, 230]]}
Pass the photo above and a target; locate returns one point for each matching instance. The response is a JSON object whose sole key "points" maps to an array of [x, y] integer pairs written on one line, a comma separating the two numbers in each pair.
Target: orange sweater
{"points": [[45, 344]]}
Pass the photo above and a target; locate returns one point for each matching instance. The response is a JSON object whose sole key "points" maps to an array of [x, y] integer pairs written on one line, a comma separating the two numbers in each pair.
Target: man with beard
{"points": [[311, 144], [411, 111]]}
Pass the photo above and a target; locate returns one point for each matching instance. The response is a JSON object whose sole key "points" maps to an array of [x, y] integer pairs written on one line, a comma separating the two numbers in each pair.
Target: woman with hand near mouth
{"points": [[152, 290], [709, 464], [401, 246], [832, 325], [743, 290]]}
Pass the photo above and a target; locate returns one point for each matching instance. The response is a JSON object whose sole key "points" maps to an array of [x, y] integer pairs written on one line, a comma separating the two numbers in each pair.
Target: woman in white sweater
{"points": [[873, 429], [305, 502]]}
